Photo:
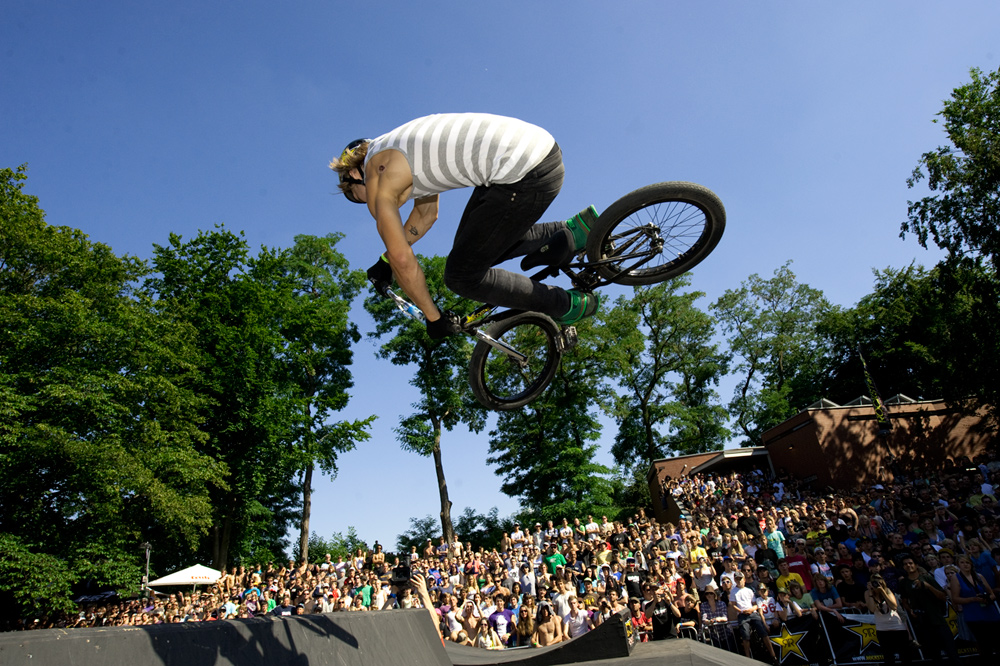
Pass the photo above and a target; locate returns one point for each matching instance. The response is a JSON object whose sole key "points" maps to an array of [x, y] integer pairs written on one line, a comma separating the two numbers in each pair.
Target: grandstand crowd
{"points": [[749, 552]]}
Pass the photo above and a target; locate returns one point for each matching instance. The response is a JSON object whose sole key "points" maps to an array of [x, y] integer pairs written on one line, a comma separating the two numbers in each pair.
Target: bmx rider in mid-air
{"points": [[516, 171]]}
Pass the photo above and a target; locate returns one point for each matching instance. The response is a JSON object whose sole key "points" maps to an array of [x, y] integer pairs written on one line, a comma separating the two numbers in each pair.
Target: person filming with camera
{"points": [[890, 627]]}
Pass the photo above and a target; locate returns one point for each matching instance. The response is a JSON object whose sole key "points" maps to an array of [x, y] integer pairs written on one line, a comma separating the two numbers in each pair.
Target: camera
{"points": [[401, 575]]}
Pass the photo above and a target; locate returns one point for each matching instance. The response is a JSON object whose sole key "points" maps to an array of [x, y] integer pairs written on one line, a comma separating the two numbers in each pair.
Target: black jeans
{"points": [[499, 224]]}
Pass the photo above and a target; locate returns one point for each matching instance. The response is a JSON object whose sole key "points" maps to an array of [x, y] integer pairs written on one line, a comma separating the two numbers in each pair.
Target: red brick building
{"points": [[841, 445]]}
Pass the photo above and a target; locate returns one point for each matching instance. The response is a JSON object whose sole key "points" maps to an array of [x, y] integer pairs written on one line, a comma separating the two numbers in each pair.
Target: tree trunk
{"points": [[446, 527], [220, 545], [306, 512]]}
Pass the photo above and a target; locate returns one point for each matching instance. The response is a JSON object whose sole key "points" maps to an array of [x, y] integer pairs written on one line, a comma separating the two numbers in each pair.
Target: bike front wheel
{"points": [[655, 233], [518, 363]]}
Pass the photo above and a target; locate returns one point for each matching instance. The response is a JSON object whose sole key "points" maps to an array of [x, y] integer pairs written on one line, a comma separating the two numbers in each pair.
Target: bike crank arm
{"points": [[565, 341]]}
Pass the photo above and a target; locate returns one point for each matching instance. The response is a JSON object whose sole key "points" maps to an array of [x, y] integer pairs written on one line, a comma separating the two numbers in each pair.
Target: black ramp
{"points": [[612, 639], [381, 638], [678, 652]]}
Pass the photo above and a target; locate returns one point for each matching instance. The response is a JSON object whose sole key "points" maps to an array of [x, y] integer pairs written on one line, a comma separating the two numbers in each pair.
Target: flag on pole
{"points": [[881, 413]]}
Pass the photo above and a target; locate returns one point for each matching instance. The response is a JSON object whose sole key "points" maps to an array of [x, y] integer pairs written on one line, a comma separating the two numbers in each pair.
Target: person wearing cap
{"points": [[798, 564], [771, 609], [538, 537], [792, 609], [715, 617], [565, 532], [728, 570], [589, 598], [820, 565], [640, 621], [553, 559], [517, 537], [749, 616], [633, 578]]}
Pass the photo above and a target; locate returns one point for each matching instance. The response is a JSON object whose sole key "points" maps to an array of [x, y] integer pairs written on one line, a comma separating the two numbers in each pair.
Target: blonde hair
{"points": [[350, 159]]}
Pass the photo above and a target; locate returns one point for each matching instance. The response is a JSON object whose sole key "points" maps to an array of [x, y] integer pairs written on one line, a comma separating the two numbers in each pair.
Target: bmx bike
{"points": [[647, 236]]}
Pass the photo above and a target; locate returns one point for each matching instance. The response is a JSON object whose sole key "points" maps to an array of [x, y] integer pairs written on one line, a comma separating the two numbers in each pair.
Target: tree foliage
{"points": [[339, 545], [964, 216], [772, 329], [544, 452], [228, 298], [923, 333], [317, 289], [100, 445], [440, 370], [657, 347]]}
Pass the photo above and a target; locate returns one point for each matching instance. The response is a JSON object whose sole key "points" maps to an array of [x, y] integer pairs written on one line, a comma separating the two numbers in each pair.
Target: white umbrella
{"points": [[196, 575]]}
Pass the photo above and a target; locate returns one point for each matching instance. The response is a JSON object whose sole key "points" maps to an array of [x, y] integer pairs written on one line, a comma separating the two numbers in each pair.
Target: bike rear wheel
{"points": [[655, 233], [499, 380]]}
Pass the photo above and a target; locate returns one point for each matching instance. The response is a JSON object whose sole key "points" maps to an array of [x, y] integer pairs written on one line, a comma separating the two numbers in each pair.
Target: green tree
{"points": [[482, 529], [440, 376], [318, 290], [235, 304], [544, 452], [339, 545], [658, 349], [772, 328], [421, 531], [964, 218], [99, 436], [922, 333]]}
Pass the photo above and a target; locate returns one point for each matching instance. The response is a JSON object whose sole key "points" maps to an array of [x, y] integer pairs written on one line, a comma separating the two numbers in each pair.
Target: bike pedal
{"points": [[568, 339]]}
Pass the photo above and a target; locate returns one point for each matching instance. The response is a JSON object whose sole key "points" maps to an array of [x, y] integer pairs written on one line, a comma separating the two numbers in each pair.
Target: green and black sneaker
{"points": [[580, 226], [582, 304], [565, 244]]}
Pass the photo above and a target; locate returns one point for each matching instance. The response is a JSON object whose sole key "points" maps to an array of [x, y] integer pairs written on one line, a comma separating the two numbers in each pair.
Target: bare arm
{"points": [[421, 218], [420, 587], [388, 179]]}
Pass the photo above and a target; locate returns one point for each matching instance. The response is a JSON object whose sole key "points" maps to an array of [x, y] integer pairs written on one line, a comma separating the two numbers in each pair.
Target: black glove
{"points": [[380, 275], [447, 324]]}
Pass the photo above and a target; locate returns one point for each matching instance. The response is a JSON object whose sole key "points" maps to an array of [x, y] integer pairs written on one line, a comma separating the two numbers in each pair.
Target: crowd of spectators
{"points": [[749, 551]]}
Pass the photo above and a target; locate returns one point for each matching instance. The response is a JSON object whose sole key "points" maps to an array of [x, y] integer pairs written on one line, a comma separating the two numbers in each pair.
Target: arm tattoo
{"points": [[413, 232]]}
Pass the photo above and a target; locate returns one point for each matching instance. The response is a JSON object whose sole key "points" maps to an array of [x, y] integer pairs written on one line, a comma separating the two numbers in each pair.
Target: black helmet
{"points": [[345, 176]]}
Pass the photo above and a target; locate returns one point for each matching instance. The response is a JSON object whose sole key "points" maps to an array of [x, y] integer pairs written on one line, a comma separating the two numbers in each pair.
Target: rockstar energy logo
{"points": [[867, 634], [790, 644]]}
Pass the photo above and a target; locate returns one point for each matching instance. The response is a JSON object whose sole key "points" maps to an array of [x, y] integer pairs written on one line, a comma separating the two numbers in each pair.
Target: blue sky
{"points": [[137, 120]]}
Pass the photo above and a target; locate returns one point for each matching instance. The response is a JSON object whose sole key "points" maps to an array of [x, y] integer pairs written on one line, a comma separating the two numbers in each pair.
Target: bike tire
{"points": [[497, 380], [688, 217]]}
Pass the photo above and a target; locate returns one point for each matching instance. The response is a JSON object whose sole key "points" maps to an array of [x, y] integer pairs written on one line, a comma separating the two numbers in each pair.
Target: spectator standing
{"points": [[664, 615], [577, 622], [971, 594], [749, 617], [893, 637], [924, 601]]}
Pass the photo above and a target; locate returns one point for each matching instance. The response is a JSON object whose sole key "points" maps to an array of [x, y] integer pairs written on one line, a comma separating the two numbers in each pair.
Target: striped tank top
{"points": [[449, 151]]}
